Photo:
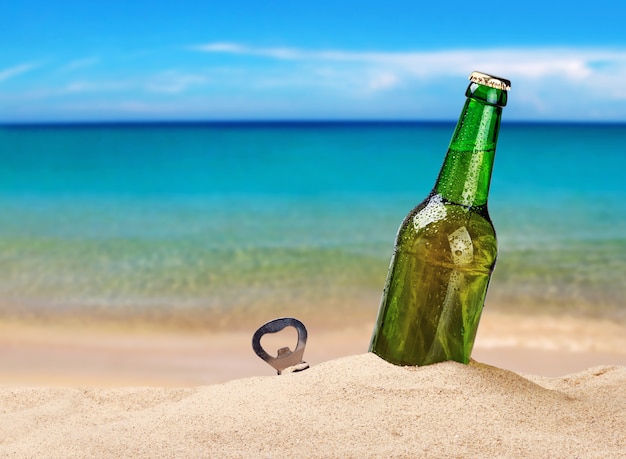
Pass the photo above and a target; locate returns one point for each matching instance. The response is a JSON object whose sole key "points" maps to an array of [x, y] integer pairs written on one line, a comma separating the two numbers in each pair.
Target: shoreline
{"points": [[109, 354]]}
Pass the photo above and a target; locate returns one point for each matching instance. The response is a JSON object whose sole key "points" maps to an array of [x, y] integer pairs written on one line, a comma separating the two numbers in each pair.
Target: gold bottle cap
{"points": [[490, 80]]}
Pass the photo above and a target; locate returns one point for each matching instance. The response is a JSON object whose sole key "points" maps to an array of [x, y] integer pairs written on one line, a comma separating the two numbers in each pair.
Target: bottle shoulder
{"points": [[458, 235], [436, 212]]}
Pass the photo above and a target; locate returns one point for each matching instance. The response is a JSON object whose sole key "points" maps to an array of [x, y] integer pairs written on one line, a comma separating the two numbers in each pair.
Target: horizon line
{"points": [[282, 121]]}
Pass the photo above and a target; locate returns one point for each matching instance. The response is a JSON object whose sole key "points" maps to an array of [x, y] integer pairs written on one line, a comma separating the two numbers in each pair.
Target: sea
{"points": [[245, 220]]}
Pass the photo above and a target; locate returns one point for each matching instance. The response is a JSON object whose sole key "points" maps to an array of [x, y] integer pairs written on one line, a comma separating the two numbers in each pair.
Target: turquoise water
{"points": [[298, 217]]}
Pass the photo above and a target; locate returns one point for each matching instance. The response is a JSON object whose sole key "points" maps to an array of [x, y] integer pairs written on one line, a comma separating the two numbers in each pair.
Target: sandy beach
{"points": [[538, 387], [358, 406], [114, 355]]}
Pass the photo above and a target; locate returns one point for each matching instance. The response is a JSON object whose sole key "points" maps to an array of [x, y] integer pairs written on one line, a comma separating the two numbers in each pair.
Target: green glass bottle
{"points": [[446, 248]]}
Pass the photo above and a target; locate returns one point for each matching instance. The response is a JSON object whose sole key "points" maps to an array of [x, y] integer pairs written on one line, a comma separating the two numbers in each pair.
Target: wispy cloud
{"points": [[80, 64], [11, 72], [84, 86], [384, 80], [235, 48], [166, 82], [607, 66], [174, 82], [550, 83]]}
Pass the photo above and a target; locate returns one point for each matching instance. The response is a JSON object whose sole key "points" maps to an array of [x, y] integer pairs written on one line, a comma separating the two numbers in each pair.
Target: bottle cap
{"points": [[490, 80]]}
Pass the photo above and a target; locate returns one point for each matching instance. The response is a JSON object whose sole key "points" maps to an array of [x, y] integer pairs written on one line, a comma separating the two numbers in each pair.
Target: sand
{"points": [[146, 393], [88, 354], [358, 406]]}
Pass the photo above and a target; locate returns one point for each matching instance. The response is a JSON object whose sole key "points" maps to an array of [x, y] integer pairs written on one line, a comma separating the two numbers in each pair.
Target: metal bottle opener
{"points": [[287, 361]]}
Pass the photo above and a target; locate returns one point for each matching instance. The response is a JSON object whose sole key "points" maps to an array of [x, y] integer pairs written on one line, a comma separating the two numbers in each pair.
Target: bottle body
{"points": [[445, 249], [443, 259]]}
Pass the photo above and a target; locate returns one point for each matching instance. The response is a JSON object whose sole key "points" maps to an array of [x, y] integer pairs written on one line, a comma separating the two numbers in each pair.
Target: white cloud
{"points": [[168, 82], [223, 47], [80, 64], [95, 86], [16, 70], [173, 82], [385, 80], [571, 64], [549, 83], [118, 106], [234, 48]]}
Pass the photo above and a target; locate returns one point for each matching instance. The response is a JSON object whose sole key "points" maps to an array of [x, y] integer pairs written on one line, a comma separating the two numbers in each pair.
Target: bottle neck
{"points": [[466, 172]]}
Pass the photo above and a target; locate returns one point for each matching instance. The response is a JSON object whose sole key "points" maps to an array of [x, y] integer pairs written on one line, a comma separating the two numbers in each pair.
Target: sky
{"points": [[72, 61]]}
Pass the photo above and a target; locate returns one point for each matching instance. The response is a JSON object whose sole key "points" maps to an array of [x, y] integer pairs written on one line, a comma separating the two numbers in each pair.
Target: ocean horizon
{"points": [[285, 122], [292, 217]]}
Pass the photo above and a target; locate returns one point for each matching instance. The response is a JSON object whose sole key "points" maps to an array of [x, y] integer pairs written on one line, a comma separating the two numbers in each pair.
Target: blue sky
{"points": [[209, 60]]}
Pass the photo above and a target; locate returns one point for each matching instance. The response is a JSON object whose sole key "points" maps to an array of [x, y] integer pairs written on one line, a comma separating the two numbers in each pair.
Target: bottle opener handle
{"points": [[286, 359]]}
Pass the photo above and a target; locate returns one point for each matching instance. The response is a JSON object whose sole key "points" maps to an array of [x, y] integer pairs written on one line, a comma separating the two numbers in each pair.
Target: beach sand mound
{"points": [[357, 406]]}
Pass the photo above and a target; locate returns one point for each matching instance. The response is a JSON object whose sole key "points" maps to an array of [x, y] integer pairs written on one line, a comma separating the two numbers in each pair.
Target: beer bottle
{"points": [[446, 247]]}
